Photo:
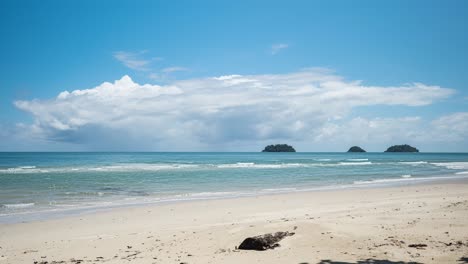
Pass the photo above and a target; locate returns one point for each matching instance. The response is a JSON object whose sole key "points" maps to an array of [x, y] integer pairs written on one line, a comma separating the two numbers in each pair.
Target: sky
{"points": [[233, 75]]}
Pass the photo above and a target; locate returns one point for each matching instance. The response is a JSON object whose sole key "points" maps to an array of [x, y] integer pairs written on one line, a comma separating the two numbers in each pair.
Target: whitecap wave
{"points": [[413, 162], [355, 163], [141, 167], [104, 168], [237, 165], [259, 166], [406, 176], [452, 165], [27, 167], [18, 205], [357, 159], [23, 169]]}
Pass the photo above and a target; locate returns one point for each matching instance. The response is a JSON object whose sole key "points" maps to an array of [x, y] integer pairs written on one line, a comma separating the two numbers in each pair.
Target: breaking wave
{"points": [[355, 163], [18, 205], [452, 165], [260, 166], [413, 162], [105, 168]]}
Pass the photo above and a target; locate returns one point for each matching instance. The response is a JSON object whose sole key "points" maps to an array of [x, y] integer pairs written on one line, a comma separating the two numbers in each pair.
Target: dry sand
{"points": [[344, 226]]}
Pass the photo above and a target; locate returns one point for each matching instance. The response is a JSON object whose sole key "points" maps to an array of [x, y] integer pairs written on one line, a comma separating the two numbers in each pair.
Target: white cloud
{"points": [[166, 74], [137, 61], [174, 69], [275, 48], [133, 60], [378, 132], [452, 127], [211, 113], [140, 61], [446, 133]]}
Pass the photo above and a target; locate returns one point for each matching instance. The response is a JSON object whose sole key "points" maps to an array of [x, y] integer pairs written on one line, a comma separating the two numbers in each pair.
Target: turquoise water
{"points": [[41, 184]]}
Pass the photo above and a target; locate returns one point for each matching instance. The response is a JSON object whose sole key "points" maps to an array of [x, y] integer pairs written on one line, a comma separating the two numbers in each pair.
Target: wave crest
{"points": [[452, 165], [18, 205]]}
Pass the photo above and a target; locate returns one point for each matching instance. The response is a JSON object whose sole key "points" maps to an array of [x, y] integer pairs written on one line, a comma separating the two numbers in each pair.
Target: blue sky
{"points": [[49, 47]]}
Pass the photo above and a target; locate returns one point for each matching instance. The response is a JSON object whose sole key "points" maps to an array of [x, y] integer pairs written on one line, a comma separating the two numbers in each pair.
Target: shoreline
{"points": [[339, 225], [25, 217]]}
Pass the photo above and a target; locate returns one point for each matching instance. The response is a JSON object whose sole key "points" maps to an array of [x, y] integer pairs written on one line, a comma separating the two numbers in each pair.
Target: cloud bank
{"points": [[234, 112]]}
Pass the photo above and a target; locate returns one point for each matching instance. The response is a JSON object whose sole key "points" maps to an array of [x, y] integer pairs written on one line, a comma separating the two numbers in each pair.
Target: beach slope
{"points": [[418, 224]]}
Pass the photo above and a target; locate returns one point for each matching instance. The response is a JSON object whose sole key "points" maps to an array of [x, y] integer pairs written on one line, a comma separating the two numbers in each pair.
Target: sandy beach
{"points": [[424, 223], [233, 132]]}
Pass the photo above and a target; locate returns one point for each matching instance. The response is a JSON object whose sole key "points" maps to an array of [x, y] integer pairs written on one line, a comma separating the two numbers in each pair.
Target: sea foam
{"points": [[104, 168], [18, 205], [413, 162], [260, 166], [452, 165], [355, 163], [405, 179]]}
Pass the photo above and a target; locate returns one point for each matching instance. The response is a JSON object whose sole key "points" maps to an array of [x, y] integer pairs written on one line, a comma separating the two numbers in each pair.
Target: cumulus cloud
{"points": [[275, 48], [209, 113]]}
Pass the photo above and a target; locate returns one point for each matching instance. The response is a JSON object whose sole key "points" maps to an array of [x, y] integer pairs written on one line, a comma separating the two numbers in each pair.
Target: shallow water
{"points": [[57, 183]]}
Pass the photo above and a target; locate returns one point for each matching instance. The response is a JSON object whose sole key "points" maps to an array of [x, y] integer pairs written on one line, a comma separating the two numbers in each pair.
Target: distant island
{"points": [[356, 149], [402, 148], [279, 148]]}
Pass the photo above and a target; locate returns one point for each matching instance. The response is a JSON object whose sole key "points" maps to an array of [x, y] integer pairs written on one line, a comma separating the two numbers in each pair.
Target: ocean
{"points": [[41, 185]]}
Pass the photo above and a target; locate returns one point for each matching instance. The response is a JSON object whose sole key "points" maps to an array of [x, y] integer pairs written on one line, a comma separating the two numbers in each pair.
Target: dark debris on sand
{"points": [[264, 242]]}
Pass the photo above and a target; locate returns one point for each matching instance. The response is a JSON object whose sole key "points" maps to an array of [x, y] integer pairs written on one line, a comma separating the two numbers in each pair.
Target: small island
{"points": [[279, 148], [402, 148], [356, 149]]}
